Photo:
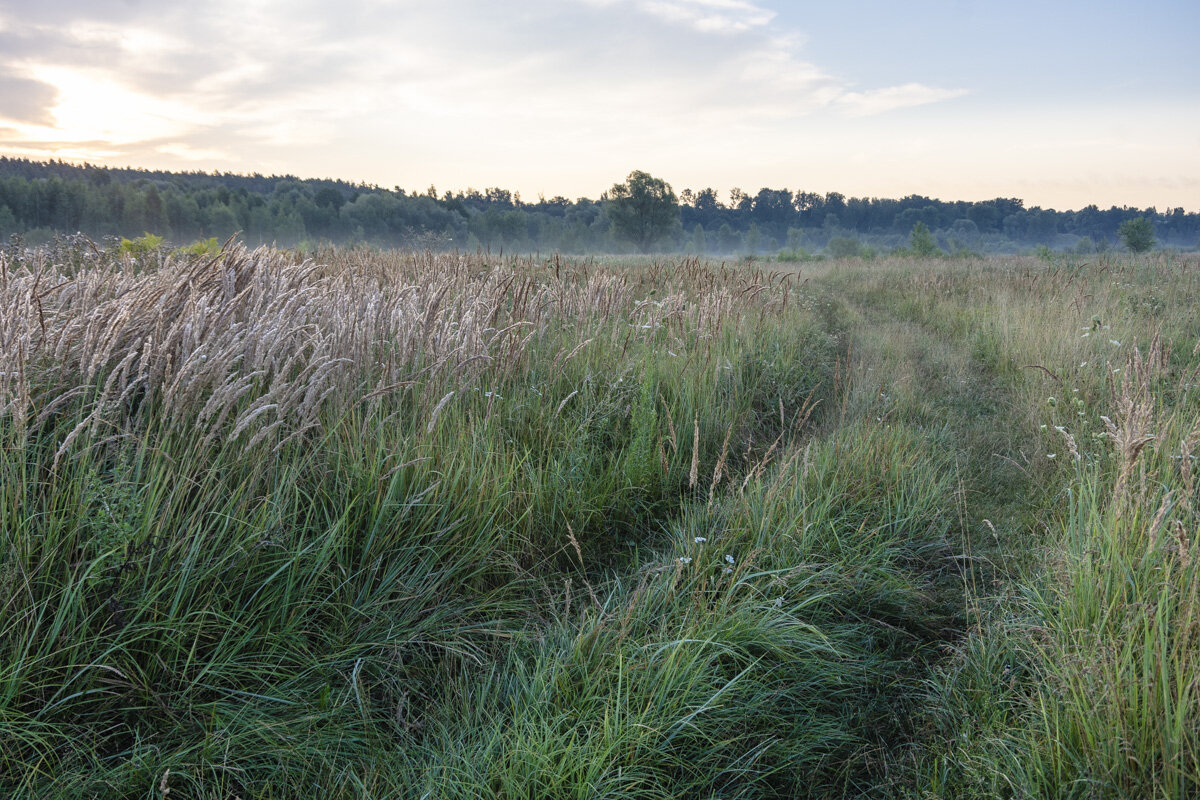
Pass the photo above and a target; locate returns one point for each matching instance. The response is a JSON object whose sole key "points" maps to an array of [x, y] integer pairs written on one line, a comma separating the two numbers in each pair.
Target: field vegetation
{"points": [[39, 200], [382, 524]]}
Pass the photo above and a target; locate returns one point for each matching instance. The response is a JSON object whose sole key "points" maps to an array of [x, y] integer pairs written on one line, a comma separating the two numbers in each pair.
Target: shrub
{"points": [[844, 247], [1137, 234], [921, 241], [794, 255], [202, 247], [142, 246]]}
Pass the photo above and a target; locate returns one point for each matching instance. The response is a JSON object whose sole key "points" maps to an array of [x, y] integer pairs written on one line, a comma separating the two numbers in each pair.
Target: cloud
{"points": [[397, 88], [705, 16], [187, 152], [878, 101], [25, 99], [710, 16], [759, 70]]}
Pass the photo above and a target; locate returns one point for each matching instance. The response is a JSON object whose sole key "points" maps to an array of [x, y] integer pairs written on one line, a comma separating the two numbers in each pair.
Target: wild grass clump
{"points": [[384, 524], [1082, 682], [765, 652], [258, 515]]}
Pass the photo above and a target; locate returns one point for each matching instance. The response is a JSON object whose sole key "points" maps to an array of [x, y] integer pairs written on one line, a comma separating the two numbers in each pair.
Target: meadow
{"points": [[383, 524]]}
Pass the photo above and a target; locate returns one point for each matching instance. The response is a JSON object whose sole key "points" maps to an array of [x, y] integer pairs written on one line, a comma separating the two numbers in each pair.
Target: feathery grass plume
{"points": [[1182, 544], [579, 554], [694, 470], [1187, 446], [437, 410], [1072, 445], [1134, 410], [564, 402], [719, 469]]}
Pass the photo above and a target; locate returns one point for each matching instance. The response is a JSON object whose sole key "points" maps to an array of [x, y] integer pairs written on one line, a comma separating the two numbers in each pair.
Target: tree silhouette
{"points": [[1137, 234], [643, 210], [922, 242]]}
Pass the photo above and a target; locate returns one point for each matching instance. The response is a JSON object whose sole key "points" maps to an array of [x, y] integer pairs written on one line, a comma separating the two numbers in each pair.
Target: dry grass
{"points": [[253, 347]]}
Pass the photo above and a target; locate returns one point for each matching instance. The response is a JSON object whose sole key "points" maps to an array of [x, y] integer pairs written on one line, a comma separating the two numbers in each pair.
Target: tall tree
{"points": [[1137, 234], [922, 242], [643, 210]]}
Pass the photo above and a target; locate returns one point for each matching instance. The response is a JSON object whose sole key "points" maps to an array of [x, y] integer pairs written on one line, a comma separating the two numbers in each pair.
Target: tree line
{"points": [[41, 199]]}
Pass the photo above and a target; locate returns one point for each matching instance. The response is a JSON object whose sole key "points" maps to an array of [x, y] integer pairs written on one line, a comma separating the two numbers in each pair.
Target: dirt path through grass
{"points": [[915, 361], [1067, 665]]}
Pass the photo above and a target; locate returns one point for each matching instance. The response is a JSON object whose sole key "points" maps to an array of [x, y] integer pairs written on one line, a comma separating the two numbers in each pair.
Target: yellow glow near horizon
{"points": [[1064, 159], [566, 98], [94, 109]]}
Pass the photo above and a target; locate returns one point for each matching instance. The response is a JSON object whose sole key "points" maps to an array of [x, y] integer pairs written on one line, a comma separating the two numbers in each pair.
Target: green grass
{"points": [[412, 525]]}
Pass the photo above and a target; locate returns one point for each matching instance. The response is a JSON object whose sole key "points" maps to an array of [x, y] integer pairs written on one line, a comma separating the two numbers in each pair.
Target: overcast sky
{"points": [[1061, 103]]}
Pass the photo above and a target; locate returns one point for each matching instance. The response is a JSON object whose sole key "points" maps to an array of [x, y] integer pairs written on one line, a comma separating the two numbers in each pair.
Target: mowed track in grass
{"points": [[1074, 419], [391, 525]]}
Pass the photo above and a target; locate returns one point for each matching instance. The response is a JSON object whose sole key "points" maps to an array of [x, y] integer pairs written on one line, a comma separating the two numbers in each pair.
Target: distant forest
{"points": [[41, 199]]}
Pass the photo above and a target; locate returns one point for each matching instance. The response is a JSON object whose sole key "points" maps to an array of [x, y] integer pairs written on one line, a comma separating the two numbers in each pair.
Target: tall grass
{"points": [[1077, 676], [403, 524], [762, 653], [257, 513]]}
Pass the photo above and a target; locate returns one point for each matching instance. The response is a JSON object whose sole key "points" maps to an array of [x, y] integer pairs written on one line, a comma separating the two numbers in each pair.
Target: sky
{"points": [[1060, 103]]}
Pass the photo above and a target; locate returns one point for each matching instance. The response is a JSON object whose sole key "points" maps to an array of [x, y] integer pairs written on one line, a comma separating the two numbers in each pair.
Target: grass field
{"points": [[454, 526]]}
